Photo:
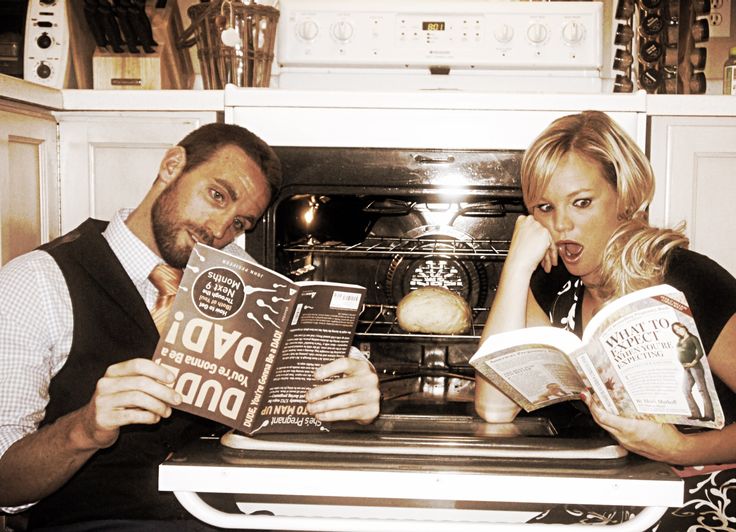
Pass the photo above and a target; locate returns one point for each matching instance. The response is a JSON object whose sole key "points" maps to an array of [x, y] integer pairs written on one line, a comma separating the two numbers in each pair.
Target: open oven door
{"points": [[410, 481]]}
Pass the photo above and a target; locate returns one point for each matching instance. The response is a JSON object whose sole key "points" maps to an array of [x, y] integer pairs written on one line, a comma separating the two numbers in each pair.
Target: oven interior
{"points": [[394, 220]]}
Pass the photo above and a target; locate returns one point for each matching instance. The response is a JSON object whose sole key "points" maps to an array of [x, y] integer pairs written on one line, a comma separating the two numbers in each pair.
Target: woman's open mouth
{"points": [[569, 251]]}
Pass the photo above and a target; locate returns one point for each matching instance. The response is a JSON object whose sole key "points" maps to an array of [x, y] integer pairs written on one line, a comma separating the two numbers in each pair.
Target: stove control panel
{"points": [[462, 34], [46, 43]]}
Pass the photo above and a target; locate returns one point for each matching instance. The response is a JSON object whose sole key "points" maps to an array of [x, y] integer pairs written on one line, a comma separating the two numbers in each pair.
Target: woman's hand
{"points": [[657, 441], [353, 396], [531, 245]]}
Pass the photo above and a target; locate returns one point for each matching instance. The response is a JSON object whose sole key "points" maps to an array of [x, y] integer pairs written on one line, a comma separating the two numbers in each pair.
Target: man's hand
{"points": [[354, 396], [136, 391]]}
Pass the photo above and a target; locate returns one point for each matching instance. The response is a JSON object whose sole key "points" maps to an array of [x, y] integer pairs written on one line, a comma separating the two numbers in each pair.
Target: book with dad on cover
{"points": [[641, 354], [244, 341]]}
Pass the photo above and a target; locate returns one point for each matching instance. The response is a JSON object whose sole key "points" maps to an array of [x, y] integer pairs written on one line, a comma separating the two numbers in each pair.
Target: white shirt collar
{"points": [[137, 259]]}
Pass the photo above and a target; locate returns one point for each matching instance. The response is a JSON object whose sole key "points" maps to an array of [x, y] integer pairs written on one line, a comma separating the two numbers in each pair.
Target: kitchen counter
{"points": [[18, 90], [15, 89], [142, 100], [687, 105]]}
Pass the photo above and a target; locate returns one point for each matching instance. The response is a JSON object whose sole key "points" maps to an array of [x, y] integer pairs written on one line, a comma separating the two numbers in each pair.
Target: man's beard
{"points": [[167, 225]]}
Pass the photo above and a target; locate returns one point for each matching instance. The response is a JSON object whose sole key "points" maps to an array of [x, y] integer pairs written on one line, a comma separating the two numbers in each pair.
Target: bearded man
{"points": [[85, 415]]}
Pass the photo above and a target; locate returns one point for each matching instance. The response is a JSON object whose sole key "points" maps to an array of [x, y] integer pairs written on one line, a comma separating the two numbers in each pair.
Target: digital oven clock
{"points": [[433, 26]]}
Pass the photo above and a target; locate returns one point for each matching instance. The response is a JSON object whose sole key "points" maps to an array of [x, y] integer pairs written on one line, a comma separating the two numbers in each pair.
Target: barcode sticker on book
{"points": [[344, 300]]}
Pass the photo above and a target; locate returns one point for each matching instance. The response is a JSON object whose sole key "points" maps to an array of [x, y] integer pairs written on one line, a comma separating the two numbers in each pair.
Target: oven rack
{"points": [[379, 320], [383, 245]]}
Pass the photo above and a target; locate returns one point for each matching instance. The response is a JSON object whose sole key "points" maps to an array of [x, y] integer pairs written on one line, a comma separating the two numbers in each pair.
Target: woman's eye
{"points": [[543, 207], [583, 202]]}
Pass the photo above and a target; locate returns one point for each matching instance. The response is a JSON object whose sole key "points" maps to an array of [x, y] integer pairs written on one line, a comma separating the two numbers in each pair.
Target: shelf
{"points": [[477, 248], [379, 321]]}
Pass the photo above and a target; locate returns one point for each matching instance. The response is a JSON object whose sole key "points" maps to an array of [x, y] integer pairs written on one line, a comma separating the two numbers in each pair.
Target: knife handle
{"points": [[111, 27], [130, 38], [138, 8], [93, 23]]}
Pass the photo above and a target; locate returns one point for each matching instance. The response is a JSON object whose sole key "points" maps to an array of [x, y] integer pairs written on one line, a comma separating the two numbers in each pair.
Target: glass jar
{"points": [[650, 51], [652, 24], [729, 73]]}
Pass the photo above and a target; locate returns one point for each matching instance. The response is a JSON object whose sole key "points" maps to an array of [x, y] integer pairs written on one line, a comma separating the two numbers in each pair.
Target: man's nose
{"points": [[219, 226]]}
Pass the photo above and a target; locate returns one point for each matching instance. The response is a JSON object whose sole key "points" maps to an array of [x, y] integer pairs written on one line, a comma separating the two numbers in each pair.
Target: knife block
{"points": [[126, 71], [167, 68]]}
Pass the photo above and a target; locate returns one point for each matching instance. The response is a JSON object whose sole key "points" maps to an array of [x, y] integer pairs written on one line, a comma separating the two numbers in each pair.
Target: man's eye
{"points": [[582, 203], [216, 195], [239, 225]]}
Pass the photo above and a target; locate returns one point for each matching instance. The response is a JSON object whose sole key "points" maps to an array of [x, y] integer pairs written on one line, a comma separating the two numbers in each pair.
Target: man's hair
{"points": [[203, 142]]}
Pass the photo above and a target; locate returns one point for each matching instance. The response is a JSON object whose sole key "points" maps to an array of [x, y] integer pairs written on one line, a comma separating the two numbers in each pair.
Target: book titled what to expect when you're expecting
{"points": [[244, 341], [641, 354]]}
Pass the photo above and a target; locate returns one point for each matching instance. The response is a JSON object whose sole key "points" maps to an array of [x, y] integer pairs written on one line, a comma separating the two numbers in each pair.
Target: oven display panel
{"points": [[421, 30], [433, 26]]}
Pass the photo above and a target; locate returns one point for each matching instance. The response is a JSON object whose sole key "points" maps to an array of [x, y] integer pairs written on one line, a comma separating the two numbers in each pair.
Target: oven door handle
{"points": [[425, 159], [203, 511]]}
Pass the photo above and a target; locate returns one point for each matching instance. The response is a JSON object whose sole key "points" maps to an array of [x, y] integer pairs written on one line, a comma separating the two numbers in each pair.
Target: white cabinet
{"points": [[110, 159], [694, 160], [29, 206]]}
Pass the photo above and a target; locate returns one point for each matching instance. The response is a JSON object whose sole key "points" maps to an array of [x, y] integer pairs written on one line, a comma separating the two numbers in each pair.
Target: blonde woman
{"points": [[586, 241]]}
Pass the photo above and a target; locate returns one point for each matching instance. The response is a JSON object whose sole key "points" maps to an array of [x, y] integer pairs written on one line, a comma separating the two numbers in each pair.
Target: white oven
{"points": [[439, 467]]}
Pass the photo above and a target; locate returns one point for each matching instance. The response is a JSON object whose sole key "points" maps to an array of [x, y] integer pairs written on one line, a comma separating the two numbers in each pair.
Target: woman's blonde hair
{"points": [[637, 253]]}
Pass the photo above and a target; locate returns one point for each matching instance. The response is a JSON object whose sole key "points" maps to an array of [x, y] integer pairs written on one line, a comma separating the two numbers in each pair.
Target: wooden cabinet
{"points": [[29, 206], [694, 160], [110, 159]]}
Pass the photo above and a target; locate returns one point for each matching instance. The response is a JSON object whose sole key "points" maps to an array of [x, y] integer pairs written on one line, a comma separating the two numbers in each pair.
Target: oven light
{"points": [[441, 213], [310, 212], [451, 195]]}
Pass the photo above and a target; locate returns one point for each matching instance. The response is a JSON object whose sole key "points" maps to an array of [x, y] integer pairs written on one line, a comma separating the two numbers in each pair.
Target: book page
{"points": [[224, 333], [321, 330], [637, 357], [530, 366]]}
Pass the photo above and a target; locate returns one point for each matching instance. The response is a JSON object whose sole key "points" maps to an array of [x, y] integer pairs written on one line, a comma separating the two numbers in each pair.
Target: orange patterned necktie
{"points": [[166, 279]]}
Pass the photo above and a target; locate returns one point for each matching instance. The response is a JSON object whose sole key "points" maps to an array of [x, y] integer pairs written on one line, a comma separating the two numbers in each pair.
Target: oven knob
{"points": [[342, 31], [307, 30], [44, 41], [537, 33], [573, 33], [43, 70], [503, 33]]}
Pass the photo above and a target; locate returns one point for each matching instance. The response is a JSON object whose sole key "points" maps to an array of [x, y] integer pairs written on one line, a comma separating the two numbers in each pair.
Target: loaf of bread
{"points": [[434, 310]]}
